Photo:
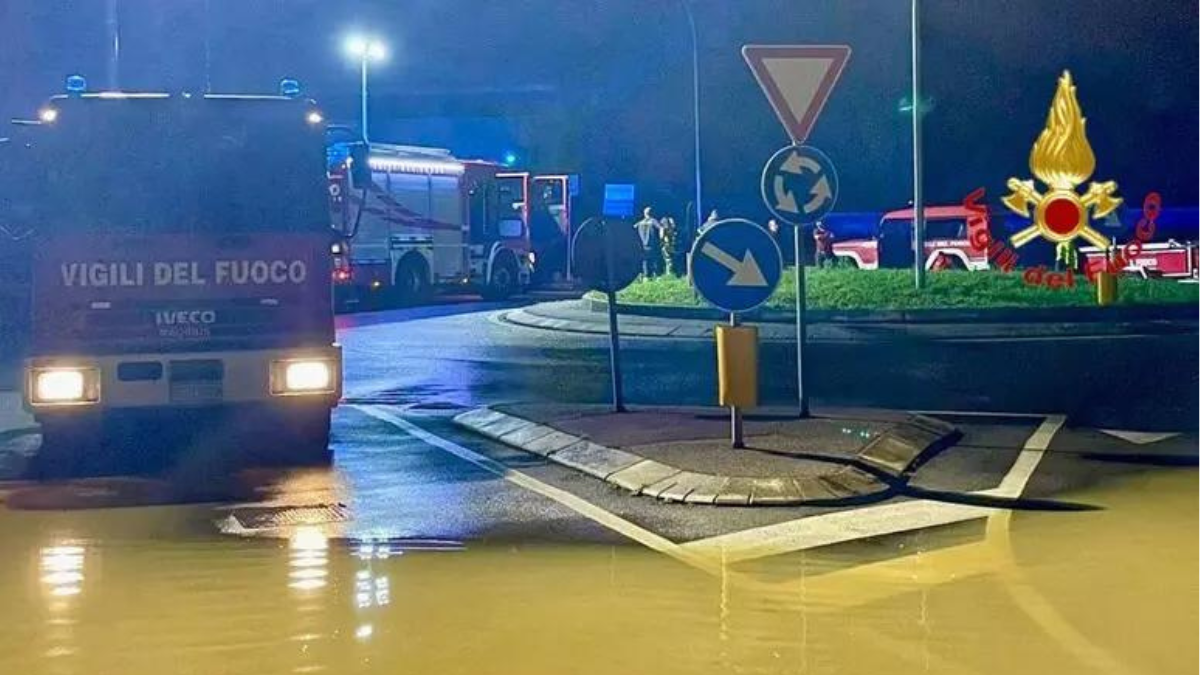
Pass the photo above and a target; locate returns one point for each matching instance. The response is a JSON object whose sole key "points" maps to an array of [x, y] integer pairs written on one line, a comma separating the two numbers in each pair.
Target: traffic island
{"points": [[683, 454]]}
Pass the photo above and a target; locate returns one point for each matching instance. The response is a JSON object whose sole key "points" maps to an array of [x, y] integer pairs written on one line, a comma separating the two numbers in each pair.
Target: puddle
{"points": [[147, 591]]}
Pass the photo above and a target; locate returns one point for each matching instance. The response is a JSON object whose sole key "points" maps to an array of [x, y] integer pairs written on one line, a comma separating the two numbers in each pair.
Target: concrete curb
{"points": [[890, 456], [645, 321], [1180, 312]]}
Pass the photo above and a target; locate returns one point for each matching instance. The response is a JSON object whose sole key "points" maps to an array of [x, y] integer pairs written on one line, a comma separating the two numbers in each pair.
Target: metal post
{"points": [[614, 340], [801, 321], [735, 413], [364, 97], [207, 49], [112, 25], [918, 237], [687, 7]]}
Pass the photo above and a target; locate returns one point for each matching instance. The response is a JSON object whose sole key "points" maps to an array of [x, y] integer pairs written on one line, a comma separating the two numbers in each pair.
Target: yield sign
{"points": [[797, 80]]}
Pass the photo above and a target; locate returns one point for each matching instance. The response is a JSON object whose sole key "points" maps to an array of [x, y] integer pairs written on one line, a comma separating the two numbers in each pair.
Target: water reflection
{"points": [[1097, 592], [372, 589], [62, 570], [309, 559]]}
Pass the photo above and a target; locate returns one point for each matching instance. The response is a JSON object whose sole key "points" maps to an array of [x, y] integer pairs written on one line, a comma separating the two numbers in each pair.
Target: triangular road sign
{"points": [[797, 80]]}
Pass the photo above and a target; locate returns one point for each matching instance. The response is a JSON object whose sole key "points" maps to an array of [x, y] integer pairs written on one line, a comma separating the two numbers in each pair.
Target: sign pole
{"points": [[801, 320], [735, 413], [918, 237], [614, 339]]}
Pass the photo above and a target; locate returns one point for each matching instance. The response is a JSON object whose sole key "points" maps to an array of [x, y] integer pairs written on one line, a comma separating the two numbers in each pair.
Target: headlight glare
{"points": [[302, 376], [64, 386]]}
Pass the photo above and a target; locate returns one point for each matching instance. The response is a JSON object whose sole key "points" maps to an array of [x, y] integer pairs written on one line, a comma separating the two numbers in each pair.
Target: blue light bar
{"points": [[76, 84], [289, 87]]}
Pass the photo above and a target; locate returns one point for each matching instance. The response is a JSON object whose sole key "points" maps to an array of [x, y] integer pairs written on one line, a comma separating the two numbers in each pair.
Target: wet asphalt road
{"points": [[465, 355], [422, 365]]}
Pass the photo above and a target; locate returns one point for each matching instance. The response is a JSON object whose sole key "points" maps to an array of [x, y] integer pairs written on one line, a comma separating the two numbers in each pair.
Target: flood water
{"points": [[156, 590]]}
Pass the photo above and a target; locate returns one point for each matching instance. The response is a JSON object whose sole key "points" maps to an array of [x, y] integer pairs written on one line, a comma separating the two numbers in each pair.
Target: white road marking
{"points": [[835, 528], [1139, 437], [873, 521], [577, 504], [1027, 462]]}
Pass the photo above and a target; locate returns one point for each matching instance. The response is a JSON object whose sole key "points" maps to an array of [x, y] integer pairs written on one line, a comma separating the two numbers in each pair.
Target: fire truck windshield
{"points": [[237, 165]]}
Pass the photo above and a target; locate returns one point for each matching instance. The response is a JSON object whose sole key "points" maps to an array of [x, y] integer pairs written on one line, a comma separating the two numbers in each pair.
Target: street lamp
{"points": [[365, 49]]}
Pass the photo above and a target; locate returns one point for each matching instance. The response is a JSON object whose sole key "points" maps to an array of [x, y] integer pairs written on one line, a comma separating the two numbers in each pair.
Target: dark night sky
{"points": [[603, 87]]}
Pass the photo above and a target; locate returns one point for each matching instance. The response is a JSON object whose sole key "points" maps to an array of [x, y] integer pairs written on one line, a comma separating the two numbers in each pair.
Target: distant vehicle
{"points": [[947, 241], [414, 220], [1169, 259], [181, 270]]}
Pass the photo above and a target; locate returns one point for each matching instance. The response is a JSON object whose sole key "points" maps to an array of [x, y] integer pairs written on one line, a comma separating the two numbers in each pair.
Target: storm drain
{"points": [[272, 517]]}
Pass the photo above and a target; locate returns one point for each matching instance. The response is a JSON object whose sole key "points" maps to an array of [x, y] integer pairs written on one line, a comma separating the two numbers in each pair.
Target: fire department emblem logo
{"points": [[1062, 158]]}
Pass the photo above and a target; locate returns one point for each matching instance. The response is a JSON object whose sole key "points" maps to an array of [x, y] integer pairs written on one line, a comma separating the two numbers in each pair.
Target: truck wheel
{"points": [[504, 279], [412, 283]]}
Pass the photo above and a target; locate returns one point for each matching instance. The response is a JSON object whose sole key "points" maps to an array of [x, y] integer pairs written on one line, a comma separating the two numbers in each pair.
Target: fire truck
{"points": [[180, 274], [1169, 259], [947, 240], [414, 220]]}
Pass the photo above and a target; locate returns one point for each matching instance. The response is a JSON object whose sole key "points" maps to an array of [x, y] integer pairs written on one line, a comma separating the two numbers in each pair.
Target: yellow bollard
{"points": [[737, 366], [1106, 288]]}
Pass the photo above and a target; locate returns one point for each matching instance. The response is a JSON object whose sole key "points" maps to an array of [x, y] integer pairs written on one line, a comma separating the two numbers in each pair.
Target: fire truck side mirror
{"points": [[360, 167]]}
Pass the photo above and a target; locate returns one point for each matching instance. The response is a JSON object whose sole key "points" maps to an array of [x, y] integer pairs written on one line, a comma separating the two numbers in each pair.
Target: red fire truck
{"points": [[181, 271], [1169, 259], [414, 220], [947, 241]]}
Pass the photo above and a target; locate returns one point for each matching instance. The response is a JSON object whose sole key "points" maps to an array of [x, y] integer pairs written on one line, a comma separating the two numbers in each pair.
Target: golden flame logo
{"points": [[1062, 158]]}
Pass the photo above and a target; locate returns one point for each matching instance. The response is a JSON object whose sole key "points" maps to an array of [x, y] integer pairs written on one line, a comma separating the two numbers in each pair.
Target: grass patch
{"points": [[893, 289]]}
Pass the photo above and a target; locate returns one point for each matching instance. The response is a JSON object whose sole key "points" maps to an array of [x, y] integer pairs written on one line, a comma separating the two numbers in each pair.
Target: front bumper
{"points": [[185, 379]]}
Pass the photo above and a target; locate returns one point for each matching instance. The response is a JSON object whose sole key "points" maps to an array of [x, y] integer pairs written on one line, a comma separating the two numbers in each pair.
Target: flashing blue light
{"points": [[76, 84], [289, 87], [510, 159]]}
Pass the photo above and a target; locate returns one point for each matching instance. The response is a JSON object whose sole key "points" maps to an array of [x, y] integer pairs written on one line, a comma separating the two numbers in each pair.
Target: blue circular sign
{"points": [[799, 184], [736, 265]]}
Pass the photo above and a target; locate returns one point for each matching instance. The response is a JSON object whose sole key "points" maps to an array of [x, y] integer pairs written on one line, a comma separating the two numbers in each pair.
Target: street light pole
{"points": [[918, 237], [363, 97], [687, 8], [365, 49]]}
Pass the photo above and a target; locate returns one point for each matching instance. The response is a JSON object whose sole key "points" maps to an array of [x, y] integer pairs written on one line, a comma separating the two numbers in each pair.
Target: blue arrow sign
{"points": [[736, 265], [799, 184]]}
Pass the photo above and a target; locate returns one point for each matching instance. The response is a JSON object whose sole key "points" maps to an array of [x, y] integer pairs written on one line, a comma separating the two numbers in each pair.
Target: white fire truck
{"points": [[414, 220]]}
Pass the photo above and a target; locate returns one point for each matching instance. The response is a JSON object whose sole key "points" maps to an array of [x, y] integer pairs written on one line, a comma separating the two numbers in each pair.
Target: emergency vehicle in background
{"points": [[1169, 259], [947, 241], [413, 220], [949, 245], [181, 273]]}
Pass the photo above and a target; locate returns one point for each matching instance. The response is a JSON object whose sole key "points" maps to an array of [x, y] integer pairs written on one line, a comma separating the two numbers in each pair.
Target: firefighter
{"points": [[823, 239], [650, 232]]}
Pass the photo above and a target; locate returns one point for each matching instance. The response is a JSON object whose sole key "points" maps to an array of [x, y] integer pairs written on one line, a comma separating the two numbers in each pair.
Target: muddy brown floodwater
{"points": [[150, 591]]}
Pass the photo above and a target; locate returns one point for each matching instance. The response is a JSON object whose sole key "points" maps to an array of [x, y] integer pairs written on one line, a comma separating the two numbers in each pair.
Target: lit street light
{"points": [[365, 49]]}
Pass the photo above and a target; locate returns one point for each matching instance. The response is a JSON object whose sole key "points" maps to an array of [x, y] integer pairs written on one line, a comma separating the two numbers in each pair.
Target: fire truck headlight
{"points": [[48, 115], [302, 376], [64, 386], [314, 118]]}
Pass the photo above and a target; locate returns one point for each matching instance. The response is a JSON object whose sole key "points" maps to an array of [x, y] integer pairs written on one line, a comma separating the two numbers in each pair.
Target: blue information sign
{"points": [[799, 184], [618, 200], [736, 265]]}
